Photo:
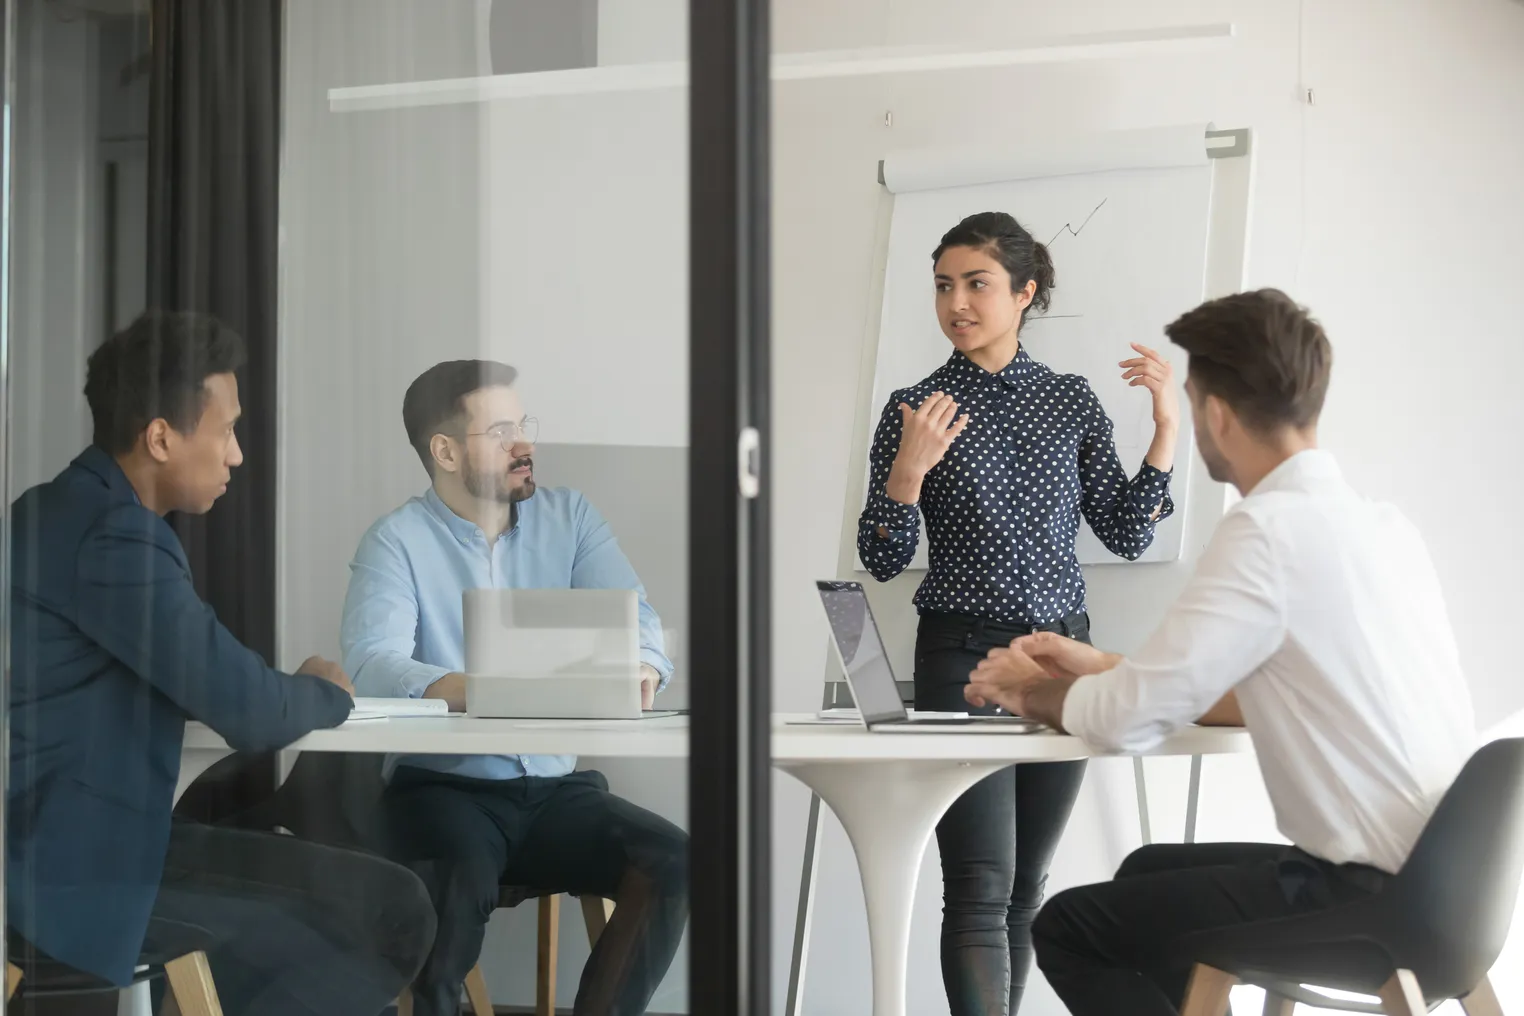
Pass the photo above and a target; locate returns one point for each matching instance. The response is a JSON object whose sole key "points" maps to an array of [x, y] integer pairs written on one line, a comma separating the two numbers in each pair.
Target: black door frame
{"points": [[7, 160], [730, 968]]}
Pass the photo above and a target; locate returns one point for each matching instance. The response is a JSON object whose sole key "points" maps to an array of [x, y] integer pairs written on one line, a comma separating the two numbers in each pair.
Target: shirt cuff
{"points": [[1150, 491], [896, 518], [414, 680], [1077, 706], [659, 663]]}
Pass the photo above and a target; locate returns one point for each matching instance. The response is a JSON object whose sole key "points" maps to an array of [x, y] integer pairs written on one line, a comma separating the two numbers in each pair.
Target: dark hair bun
{"points": [[1009, 243]]}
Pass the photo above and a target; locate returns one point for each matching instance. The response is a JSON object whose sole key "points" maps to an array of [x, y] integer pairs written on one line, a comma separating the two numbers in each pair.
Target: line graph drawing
{"points": [[1069, 228]]}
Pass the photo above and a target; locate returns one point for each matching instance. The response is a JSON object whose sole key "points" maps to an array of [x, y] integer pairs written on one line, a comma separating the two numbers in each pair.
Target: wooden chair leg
{"points": [[1482, 1001], [1277, 1005], [595, 914], [1401, 995], [405, 1002], [190, 981], [549, 950], [1207, 993], [12, 979], [476, 992]]}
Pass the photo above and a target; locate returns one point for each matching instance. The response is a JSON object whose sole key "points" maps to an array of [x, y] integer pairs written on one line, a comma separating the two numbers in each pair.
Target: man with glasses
{"points": [[467, 824]]}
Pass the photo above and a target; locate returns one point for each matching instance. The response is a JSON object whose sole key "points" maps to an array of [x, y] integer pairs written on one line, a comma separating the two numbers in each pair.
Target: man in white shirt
{"points": [[1316, 616]]}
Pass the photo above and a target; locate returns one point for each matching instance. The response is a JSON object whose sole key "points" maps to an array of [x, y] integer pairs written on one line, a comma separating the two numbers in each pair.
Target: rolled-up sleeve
{"points": [[1228, 620], [378, 634]]}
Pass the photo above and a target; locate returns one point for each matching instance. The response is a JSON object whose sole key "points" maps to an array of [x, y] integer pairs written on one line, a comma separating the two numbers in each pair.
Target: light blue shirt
{"points": [[402, 627]]}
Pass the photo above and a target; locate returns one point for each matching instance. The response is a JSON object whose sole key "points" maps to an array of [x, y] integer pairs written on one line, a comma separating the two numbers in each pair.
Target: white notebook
{"points": [[384, 708]]}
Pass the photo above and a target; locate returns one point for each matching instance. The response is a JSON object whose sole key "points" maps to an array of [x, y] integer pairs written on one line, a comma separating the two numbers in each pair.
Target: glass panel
{"points": [[413, 397]]}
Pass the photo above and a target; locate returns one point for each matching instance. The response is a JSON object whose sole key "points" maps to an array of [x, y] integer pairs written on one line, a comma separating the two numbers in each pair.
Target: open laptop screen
{"points": [[861, 651]]}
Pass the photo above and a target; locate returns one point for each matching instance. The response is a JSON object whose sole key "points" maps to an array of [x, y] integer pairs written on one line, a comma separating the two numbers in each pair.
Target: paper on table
{"points": [[376, 708]]}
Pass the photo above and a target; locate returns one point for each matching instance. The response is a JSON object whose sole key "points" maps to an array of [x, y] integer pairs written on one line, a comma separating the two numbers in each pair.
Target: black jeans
{"points": [[465, 837], [998, 839], [1110, 948], [295, 928]]}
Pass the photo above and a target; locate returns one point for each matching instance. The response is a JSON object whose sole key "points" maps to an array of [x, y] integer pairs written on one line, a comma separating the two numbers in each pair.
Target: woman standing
{"points": [[1001, 456]]}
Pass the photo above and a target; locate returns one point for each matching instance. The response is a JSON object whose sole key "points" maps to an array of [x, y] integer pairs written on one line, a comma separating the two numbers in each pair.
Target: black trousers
{"points": [[1111, 948], [295, 928], [998, 839], [465, 837]]}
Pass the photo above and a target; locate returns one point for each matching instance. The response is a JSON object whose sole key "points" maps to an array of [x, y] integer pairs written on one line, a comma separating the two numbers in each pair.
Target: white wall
{"points": [[1407, 250]]}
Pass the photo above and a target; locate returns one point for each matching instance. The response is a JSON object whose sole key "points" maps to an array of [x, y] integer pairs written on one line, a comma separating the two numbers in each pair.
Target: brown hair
{"points": [[1261, 353], [436, 400]]}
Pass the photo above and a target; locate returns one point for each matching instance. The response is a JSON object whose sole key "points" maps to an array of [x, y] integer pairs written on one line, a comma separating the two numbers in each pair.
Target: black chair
{"points": [[31, 974], [1430, 935], [333, 798]]}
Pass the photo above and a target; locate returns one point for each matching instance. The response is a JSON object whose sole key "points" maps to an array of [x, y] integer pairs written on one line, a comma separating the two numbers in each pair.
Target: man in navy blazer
{"points": [[111, 651]]}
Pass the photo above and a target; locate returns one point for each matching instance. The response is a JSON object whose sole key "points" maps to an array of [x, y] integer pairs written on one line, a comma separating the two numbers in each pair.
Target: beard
{"points": [[500, 487]]}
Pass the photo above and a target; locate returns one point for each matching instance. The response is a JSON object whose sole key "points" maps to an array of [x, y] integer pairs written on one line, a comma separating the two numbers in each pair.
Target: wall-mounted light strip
{"points": [[786, 67]]}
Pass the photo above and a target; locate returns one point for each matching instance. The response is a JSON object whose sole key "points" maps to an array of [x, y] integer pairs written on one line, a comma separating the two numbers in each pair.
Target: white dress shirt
{"points": [[1322, 611]]}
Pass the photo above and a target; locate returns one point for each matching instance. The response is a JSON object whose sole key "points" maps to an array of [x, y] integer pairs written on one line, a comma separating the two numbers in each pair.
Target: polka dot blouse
{"points": [[1003, 506]]}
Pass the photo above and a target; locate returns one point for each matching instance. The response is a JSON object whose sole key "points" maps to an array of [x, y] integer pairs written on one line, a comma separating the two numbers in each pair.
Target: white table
{"points": [[888, 789]]}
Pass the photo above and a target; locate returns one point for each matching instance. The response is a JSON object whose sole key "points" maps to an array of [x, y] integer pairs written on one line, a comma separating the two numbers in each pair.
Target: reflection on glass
{"points": [[112, 650], [319, 343]]}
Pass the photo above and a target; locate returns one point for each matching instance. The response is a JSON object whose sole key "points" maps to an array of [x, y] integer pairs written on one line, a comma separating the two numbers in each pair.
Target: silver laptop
{"points": [[860, 649], [552, 653]]}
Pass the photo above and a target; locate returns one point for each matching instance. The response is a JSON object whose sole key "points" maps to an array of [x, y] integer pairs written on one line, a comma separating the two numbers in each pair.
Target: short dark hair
{"points": [[1007, 241], [156, 368], [436, 400], [1261, 353]]}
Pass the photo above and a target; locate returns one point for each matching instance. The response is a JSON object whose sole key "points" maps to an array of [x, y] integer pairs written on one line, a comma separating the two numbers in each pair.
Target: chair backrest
{"points": [[1462, 878], [333, 798]]}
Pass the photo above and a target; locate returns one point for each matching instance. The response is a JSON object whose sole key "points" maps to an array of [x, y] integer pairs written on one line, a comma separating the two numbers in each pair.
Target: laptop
{"points": [[860, 650], [553, 654]]}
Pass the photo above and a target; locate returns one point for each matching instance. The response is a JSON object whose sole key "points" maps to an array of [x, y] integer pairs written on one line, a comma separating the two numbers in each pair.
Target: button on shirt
{"points": [[402, 627], [1003, 507], [1322, 611]]}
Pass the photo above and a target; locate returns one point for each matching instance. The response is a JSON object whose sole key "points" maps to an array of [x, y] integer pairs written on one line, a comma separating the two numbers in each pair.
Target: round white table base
{"points": [[889, 810]]}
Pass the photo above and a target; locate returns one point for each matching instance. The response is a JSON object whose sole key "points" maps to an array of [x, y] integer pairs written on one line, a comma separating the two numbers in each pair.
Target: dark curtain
{"points": [[213, 165]]}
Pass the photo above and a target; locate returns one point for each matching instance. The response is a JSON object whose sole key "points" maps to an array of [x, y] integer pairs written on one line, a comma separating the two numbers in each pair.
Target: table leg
{"points": [[136, 1001], [1140, 786], [1193, 799], [889, 810], [803, 916]]}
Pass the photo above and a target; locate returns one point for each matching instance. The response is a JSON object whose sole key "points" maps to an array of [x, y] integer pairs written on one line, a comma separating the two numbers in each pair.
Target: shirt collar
{"points": [[1300, 471], [1023, 366], [459, 528], [463, 529]]}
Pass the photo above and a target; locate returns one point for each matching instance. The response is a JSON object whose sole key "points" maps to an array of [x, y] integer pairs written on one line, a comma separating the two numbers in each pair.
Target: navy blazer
{"points": [[111, 651]]}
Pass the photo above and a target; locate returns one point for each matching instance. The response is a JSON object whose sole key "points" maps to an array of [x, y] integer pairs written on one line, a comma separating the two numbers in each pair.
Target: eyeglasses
{"points": [[526, 431]]}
